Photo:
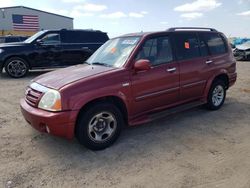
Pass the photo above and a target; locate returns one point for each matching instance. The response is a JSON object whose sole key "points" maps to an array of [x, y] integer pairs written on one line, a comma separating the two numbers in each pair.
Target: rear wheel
{"points": [[16, 67], [99, 126], [217, 95]]}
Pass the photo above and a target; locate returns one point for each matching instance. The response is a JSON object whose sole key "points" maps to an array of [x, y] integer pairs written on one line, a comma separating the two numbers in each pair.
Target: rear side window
{"points": [[84, 37], [215, 43], [12, 39], [98, 37], [187, 46], [2, 40]]}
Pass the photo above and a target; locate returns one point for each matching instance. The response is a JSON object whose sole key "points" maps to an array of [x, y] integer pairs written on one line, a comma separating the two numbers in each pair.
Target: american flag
{"points": [[25, 22]]}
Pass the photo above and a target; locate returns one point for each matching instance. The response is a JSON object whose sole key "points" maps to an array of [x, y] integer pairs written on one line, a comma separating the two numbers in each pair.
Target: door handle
{"points": [[85, 48], [209, 61], [171, 69]]}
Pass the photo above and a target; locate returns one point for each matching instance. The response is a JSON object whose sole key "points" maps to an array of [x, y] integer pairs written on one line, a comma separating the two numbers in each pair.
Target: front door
{"points": [[49, 51], [159, 86]]}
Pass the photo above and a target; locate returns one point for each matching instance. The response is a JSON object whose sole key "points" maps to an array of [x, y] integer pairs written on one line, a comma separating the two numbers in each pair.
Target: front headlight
{"points": [[1, 51], [51, 101]]}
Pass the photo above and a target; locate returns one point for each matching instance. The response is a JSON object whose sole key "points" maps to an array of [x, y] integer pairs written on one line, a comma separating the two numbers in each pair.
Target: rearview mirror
{"points": [[142, 65]]}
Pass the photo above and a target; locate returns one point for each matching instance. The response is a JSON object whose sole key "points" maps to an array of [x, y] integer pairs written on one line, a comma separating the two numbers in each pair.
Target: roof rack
{"points": [[190, 28]]}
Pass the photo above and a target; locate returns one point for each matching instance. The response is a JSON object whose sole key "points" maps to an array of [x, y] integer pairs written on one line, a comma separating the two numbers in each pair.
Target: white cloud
{"points": [[136, 15], [73, 1], [115, 15], [144, 12], [198, 5], [89, 7], [243, 1], [77, 14], [119, 14], [192, 15], [246, 13], [164, 23]]}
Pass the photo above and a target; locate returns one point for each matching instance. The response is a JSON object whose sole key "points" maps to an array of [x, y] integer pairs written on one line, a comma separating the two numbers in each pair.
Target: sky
{"points": [[117, 17]]}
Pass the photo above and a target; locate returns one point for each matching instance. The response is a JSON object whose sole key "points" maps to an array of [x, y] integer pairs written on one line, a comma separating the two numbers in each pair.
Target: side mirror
{"points": [[142, 65], [39, 41]]}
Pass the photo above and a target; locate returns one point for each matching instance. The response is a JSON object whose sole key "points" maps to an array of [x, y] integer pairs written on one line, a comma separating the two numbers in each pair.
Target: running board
{"points": [[175, 110], [161, 114]]}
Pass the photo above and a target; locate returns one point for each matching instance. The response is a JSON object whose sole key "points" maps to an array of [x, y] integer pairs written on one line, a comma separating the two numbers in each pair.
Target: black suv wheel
{"points": [[16, 67]]}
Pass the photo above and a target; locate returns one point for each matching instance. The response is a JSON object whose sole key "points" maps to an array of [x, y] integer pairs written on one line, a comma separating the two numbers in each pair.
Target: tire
{"points": [[216, 95], [16, 67], [99, 126]]}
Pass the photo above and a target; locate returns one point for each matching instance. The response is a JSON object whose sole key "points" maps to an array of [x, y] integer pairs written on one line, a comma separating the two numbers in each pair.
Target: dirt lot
{"points": [[198, 148]]}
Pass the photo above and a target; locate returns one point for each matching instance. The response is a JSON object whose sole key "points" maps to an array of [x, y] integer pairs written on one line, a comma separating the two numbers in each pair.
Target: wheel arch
{"points": [[222, 75], [18, 56], [117, 101]]}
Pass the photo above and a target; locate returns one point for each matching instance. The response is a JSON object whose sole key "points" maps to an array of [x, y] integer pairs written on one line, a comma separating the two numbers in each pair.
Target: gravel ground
{"points": [[198, 148]]}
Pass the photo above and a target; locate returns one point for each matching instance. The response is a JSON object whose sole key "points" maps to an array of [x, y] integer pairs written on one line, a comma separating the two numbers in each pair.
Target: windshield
{"points": [[34, 37], [114, 52]]}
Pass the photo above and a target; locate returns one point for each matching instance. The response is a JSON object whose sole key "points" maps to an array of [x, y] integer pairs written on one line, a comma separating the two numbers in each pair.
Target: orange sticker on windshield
{"points": [[113, 50], [187, 46]]}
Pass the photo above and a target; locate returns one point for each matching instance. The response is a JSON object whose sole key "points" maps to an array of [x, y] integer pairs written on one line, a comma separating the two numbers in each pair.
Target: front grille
{"points": [[32, 96]]}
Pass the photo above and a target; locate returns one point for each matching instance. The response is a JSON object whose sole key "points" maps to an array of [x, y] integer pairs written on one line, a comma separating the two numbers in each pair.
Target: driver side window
{"points": [[157, 50], [52, 38]]}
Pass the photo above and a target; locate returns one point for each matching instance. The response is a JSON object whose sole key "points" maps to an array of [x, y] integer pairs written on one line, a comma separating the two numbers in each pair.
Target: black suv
{"points": [[8, 39], [50, 49]]}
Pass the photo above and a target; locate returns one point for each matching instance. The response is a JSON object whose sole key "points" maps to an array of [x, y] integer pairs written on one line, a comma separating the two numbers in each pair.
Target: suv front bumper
{"points": [[55, 123]]}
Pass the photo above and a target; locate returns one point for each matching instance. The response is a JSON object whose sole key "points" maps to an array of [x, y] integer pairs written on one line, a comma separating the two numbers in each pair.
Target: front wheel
{"points": [[16, 67], [217, 95], [99, 126]]}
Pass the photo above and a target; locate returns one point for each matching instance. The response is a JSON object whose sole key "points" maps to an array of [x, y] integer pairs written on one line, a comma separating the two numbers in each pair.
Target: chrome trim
{"points": [[209, 61], [125, 84], [171, 69], [194, 84], [156, 93], [39, 87]]}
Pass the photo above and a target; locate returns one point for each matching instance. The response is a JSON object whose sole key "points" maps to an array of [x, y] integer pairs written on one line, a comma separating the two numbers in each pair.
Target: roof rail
{"points": [[190, 28]]}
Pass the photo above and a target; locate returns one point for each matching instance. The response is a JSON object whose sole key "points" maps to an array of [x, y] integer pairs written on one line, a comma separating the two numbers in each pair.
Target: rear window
{"points": [[84, 37], [187, 46], [2, 40], [12, 39], [215, 43]]}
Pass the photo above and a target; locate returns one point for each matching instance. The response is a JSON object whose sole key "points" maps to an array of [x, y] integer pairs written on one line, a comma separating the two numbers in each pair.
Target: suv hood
{"points": [[13, 44], [244, 46], [59, 78]]}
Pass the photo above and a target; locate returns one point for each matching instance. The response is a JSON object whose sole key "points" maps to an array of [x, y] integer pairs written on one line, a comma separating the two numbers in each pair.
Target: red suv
{"points": [[130, 80]]}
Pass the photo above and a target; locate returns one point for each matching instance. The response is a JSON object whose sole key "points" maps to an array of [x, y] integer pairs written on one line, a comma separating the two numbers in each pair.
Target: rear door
{"points": [[159, 86], [192, 55], [75, 49], [218, 49]]}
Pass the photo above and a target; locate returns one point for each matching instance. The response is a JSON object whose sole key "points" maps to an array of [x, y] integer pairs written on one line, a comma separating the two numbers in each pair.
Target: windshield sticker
{"points": [[113, 50], [130, 42]]}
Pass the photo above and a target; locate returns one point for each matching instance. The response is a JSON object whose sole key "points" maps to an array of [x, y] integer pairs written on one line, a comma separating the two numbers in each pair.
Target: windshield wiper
{"points": [[85, 62], [102, 64]]}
